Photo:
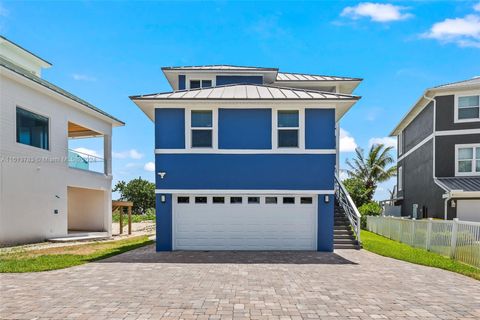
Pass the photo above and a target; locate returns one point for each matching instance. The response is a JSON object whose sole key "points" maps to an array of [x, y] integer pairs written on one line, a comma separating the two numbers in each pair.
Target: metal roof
{"points": [[466, 184], [219, 67], [246, 92], [27, 51], [12, 67], [459, 84], [283, 76]]}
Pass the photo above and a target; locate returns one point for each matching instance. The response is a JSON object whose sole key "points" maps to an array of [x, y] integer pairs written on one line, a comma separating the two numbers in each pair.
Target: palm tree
{"points": [[372, 169]]}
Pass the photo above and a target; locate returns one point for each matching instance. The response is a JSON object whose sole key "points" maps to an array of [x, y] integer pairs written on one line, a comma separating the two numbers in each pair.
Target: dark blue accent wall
{"points": [[181, 82], [246, 171], [245, 128], [325, 223], [320, 129], [223, 80], [164, 223], [170, 128]]}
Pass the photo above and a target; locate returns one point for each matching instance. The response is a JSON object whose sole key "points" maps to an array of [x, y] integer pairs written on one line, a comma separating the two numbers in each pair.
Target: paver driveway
{"points": [[142, 284]]}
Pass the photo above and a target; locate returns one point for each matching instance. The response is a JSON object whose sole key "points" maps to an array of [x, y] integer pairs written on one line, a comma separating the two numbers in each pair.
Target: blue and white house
{"points": [[246, 157]]}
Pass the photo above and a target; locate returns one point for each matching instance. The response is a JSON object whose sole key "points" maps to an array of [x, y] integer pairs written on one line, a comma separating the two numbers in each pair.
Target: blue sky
{"points": [[106, 51]]}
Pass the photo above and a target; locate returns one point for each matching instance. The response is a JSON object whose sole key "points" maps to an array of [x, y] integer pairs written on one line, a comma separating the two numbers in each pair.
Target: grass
{"points": [[400, 251], [63, 257], [149, 216]]}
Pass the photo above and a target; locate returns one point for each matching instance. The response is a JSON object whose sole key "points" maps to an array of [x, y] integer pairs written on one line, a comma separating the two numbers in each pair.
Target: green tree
{"points": [[357, 190], [141, 192], [372, 169]]}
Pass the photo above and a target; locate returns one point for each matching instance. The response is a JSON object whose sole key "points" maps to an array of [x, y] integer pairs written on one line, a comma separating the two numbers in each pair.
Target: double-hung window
{"points": [[288, 128], [467, 160], [468, 108], [32, 129], [201, 129], [197, 84]]}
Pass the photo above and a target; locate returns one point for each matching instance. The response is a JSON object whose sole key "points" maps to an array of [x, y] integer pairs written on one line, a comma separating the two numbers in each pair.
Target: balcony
{"points": [[87, 149]]}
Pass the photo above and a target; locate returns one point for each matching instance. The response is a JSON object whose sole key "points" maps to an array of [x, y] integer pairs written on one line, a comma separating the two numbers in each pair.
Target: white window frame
{"points": [[300, 128], [199, 77], [400, 178], [456, 106], [474, 159], [189, 128], [400, 143]]}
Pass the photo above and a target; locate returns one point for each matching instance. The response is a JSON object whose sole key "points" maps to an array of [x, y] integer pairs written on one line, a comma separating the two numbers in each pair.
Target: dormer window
{"points": [[199, 84], [467, 108]]}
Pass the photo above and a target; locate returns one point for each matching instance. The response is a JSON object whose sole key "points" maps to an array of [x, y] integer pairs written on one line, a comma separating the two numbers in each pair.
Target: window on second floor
{"points": [[201, 132], [468, 108], [467, 160], [196, 84], [400, 143], [400, 179], [32, 129], [288, 128]]}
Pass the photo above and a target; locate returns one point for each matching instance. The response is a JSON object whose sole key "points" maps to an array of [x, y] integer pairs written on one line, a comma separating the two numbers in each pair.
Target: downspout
{"points": [[447, 198]]}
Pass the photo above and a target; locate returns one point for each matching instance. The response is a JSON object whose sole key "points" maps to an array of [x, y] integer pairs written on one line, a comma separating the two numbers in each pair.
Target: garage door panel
{"points": [[217, 226]]}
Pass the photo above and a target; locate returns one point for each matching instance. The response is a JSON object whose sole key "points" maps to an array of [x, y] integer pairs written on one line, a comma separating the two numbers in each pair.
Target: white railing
{"points": [[346, 202], [459, 240]]}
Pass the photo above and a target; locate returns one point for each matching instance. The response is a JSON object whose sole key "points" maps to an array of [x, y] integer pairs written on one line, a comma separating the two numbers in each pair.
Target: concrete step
{"points": [[342, 227], [81, 236], [345, 241], [343, 236]]}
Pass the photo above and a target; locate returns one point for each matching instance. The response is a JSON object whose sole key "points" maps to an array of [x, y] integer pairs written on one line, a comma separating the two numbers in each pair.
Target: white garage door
{"points": [[244, 222], [468, 210]]}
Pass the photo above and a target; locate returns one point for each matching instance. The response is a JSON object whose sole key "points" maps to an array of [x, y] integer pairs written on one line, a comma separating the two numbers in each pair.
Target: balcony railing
{"points": [[84, 161]]}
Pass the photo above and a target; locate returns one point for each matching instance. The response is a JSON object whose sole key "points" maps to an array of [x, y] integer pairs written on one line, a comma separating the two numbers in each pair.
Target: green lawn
{"points": [[393, 249], [64, 257]]}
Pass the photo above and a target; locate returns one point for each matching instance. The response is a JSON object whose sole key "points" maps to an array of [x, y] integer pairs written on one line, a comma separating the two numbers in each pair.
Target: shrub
{"points": [[369, 209]]}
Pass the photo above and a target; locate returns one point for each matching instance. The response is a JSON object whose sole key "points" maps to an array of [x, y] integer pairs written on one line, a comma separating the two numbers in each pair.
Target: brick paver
{"points": [[142, 284]]}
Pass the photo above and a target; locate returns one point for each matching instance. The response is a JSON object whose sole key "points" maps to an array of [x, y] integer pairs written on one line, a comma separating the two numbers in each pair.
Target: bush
{"points": [[369, 209], [141, 192], [357, 190]]}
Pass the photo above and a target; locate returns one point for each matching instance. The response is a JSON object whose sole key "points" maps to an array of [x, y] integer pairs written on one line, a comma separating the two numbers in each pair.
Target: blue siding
{"points": [[245, 128], [164, 223], [320, 129], [181, 82], [223, 80], [246, 171], [325, 223], [170, 128]]}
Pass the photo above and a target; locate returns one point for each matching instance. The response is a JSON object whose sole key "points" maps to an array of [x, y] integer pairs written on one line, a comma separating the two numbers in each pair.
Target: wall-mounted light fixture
{"points": [[326, 198], [163, 198], [162, 174], [453, 204]]}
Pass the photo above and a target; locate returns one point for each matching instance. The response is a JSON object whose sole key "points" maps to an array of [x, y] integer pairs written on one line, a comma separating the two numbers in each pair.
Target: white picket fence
{"points": [[459, 240]]}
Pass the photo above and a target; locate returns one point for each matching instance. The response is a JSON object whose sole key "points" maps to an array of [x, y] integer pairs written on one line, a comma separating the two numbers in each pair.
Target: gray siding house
{"points": [[439, 154]]}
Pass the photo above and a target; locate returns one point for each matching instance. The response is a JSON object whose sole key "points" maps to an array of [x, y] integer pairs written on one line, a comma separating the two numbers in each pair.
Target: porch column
{"points": [[107, 154]]}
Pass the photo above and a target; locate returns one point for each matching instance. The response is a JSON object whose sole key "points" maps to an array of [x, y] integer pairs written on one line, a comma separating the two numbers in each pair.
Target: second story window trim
{"points": [[282, 131], [198, 127], [467, 107], [400, 143], [201, 81], [467, 159]]}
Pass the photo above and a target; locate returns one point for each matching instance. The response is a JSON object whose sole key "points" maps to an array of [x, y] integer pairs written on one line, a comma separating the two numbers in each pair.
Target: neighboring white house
{"points": [[47, 190]]}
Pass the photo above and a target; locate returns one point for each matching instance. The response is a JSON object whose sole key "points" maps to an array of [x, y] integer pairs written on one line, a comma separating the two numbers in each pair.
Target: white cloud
{"points": [[132, 153], [149, 166], [83, 77], [87, 151], [465, 31], [386, 141], [477, 7], [347, 142], [378, 12]]}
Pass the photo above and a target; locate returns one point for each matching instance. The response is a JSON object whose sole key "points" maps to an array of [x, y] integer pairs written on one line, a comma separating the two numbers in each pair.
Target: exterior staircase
{"points": [[343, 236]]}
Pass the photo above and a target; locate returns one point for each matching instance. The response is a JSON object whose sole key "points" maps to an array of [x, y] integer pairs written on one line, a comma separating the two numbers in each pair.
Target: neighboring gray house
{"points": [[439, 154]]}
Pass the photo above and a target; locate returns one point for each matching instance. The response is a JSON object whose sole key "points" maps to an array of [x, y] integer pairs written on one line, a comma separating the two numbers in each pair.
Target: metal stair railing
{"points": [[348, 206]]}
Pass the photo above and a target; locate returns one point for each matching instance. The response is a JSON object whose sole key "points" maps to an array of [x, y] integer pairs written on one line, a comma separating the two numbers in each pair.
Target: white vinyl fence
{"points": [[460, 240]]}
